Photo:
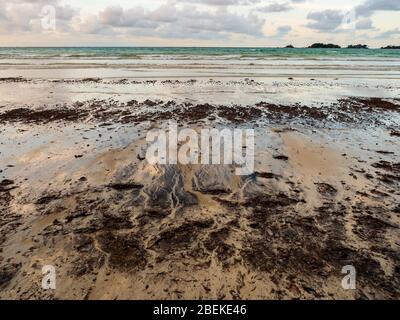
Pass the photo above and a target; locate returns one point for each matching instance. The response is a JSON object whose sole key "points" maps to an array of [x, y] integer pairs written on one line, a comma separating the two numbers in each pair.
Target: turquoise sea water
{"points": [[193, 53], [181, 62]]}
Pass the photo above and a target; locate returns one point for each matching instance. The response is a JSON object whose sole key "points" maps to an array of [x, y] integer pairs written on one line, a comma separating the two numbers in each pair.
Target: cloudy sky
{"points": [[198, 22]]}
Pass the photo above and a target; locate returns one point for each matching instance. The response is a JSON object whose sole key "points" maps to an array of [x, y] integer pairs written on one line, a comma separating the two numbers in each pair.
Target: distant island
{"points": [[324, 46], [319, 45], [391, 47], [357, 46]]}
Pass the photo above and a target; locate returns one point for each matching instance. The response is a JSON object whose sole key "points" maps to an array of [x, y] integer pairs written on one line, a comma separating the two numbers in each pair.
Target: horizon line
{"points": [[203, 47]]}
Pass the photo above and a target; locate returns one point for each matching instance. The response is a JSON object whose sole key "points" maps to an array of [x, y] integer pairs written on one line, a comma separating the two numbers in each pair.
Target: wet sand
{"points": [[77, 193]]}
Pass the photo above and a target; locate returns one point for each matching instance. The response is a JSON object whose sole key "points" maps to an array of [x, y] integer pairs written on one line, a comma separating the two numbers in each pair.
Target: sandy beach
{"points": [[77, 192]]}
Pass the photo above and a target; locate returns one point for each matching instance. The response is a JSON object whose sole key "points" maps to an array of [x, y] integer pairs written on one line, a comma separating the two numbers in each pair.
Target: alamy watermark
{"points": [[49, 277], [208, 146], [349, 280], [48, 17], [349, 20]]}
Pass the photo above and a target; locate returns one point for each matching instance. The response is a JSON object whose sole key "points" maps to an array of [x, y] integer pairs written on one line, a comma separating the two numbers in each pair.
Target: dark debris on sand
{"points": [[317, 246], [349, 110], [27, 115], [126, 252]]}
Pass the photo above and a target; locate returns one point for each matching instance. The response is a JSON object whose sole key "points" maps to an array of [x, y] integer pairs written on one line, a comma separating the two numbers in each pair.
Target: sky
{"points": [[236, 23]]}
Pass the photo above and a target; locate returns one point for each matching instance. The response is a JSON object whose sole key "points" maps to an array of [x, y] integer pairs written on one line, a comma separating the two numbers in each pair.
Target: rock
{"points": [[281, 157], [125, 186], [7, 185]]}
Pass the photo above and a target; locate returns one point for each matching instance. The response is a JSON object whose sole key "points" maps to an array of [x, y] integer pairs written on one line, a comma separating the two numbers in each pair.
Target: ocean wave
{"points": [[198, 54]]}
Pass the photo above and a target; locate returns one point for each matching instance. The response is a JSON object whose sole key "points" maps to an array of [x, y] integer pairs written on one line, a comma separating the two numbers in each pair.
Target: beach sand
{"points": [[77, 193]]}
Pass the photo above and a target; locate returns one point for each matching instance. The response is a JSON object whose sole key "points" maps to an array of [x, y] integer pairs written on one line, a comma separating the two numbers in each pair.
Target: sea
{"points": [[176, 62], [193, 53]]}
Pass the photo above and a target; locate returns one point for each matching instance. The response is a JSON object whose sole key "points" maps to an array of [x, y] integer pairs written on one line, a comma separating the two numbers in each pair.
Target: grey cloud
{"points": [[276, 7], [171, 21], [165, 13], [327, 20], [331, 20], [223, 21], [364, 24], [118, 17], [279, 6], [371, 6], [335, 21], [223, 2]]}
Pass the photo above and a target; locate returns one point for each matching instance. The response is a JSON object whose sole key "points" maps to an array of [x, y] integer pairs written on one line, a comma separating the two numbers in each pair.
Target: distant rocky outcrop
{"points": [[324, 46], [391, 47], [289, 47], [357, 46]]}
